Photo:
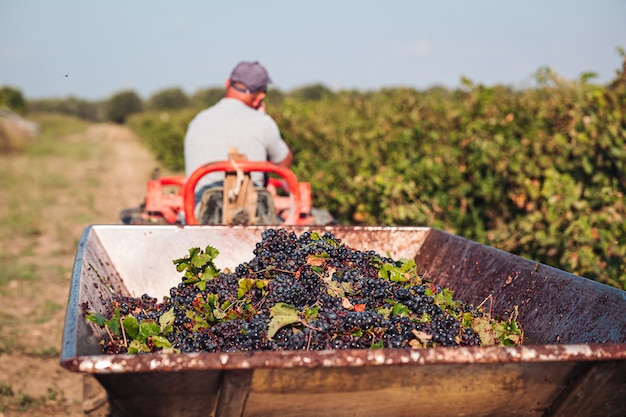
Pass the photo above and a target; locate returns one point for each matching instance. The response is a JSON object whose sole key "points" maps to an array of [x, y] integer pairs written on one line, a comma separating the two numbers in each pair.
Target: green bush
{"points": [[121, 105], [169, 99], [539, 172], [207, 97], [314, 92], [164, 133], [71, 106], [275, 98], [12, 99]]}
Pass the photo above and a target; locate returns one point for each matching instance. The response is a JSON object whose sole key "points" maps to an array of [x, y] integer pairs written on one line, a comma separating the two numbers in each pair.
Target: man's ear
{"points": [[258, 100], [227, 83]]}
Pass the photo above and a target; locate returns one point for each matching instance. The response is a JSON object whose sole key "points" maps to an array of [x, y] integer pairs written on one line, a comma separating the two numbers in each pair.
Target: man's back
{"points": [[231, 124]]}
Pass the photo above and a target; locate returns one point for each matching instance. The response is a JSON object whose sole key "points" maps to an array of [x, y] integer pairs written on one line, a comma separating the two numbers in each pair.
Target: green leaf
{"points": [[358, 332], [147, 329], [136, 346], [166, 320], [160, 342], [245, 285], [404, 270], [96, 318], [467, 319], [317, 269], [425, 318], [197, 321], [211, 251], [114, 322], [400, 309], [385, 312], [198, 266], [282, 314], [131, 326], [445, 299], [311, 313]]}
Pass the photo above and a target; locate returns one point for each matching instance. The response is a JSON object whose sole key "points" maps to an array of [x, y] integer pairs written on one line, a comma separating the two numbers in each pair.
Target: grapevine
{"points": [[307, 292]]}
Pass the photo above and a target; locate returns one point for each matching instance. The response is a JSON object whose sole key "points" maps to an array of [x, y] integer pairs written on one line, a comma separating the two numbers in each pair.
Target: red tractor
{"points": [[283, 201]]}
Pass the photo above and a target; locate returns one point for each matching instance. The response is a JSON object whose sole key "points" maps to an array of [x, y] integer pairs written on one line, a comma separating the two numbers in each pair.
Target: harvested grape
{"points": [[307, 292]]}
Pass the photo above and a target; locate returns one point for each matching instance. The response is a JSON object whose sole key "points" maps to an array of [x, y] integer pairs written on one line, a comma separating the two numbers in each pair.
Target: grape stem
{"points": [[308, 343], [106, 327], [490, 298], [309, 326], [123, 333]]}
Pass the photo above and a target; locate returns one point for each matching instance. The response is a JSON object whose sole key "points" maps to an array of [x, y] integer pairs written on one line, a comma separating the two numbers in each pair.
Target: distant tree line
{"points": [[538, 172], [125, 103]]}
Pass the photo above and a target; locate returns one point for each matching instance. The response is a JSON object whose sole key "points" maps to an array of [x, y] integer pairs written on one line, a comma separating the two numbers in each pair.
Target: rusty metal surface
{"points": [[555, 307], [98, 364], [573, 364]]}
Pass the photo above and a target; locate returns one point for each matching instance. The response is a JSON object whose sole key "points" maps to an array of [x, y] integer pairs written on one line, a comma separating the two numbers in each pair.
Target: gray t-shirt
{"points": [[231, 124]]}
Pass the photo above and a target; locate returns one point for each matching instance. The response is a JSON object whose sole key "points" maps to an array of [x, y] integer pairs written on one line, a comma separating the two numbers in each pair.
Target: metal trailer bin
{"points": [[573, 361]]}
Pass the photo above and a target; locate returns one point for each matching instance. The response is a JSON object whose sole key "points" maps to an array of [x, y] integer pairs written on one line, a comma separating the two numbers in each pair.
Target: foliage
{"points": [[163, 133], [539, 172], [12, 99], [198, 266], [314, 92], [121, 105], [207, 97], [274, 98], [169, 99], [70, 106]]}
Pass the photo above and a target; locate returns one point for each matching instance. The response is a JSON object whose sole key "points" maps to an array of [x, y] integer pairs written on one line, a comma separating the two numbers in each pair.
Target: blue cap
{"points": [[252, 74]]}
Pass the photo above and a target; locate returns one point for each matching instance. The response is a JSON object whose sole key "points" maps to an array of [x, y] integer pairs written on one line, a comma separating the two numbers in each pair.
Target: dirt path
{"points": [[87, 179]]}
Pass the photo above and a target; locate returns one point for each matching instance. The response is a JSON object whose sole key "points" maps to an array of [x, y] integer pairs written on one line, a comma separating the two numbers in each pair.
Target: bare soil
{"points": [[96, 173]]}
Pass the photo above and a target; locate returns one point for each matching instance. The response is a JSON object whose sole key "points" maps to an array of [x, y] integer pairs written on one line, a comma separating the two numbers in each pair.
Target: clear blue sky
{"points": [[147, 45]]}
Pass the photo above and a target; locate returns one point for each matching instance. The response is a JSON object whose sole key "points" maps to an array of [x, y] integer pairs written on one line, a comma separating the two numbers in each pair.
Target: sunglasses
{"points": [[243, 89]]}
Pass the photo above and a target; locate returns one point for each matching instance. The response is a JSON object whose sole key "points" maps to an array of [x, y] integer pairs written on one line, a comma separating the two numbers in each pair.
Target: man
{"points": [[236, 121]]}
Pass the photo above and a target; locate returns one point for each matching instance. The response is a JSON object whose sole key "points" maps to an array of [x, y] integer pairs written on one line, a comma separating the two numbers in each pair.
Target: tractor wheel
{"points": [[131, 216]]}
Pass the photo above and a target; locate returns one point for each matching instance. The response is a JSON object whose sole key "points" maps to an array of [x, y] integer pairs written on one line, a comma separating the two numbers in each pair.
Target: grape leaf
{"points": [[282, 314], [114, 322], [421, 339], [247, 284], [400, 309], [315, 260], [131, 326], [147, 329], [166, 320], [482, 326], [445, 299], [160, 342], [345, 303], [138, 347], [311, 313], [379, 344], [96, 318], [197, 321], [385, 312], [404, 270], [198, 266]]}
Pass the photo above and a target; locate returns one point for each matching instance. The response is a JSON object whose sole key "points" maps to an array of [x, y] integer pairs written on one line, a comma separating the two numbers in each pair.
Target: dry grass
{"points": [[73, 175]]}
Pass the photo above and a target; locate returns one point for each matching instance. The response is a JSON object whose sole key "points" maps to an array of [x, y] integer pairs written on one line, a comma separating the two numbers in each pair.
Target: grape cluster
{"points": [[340, 297]]}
